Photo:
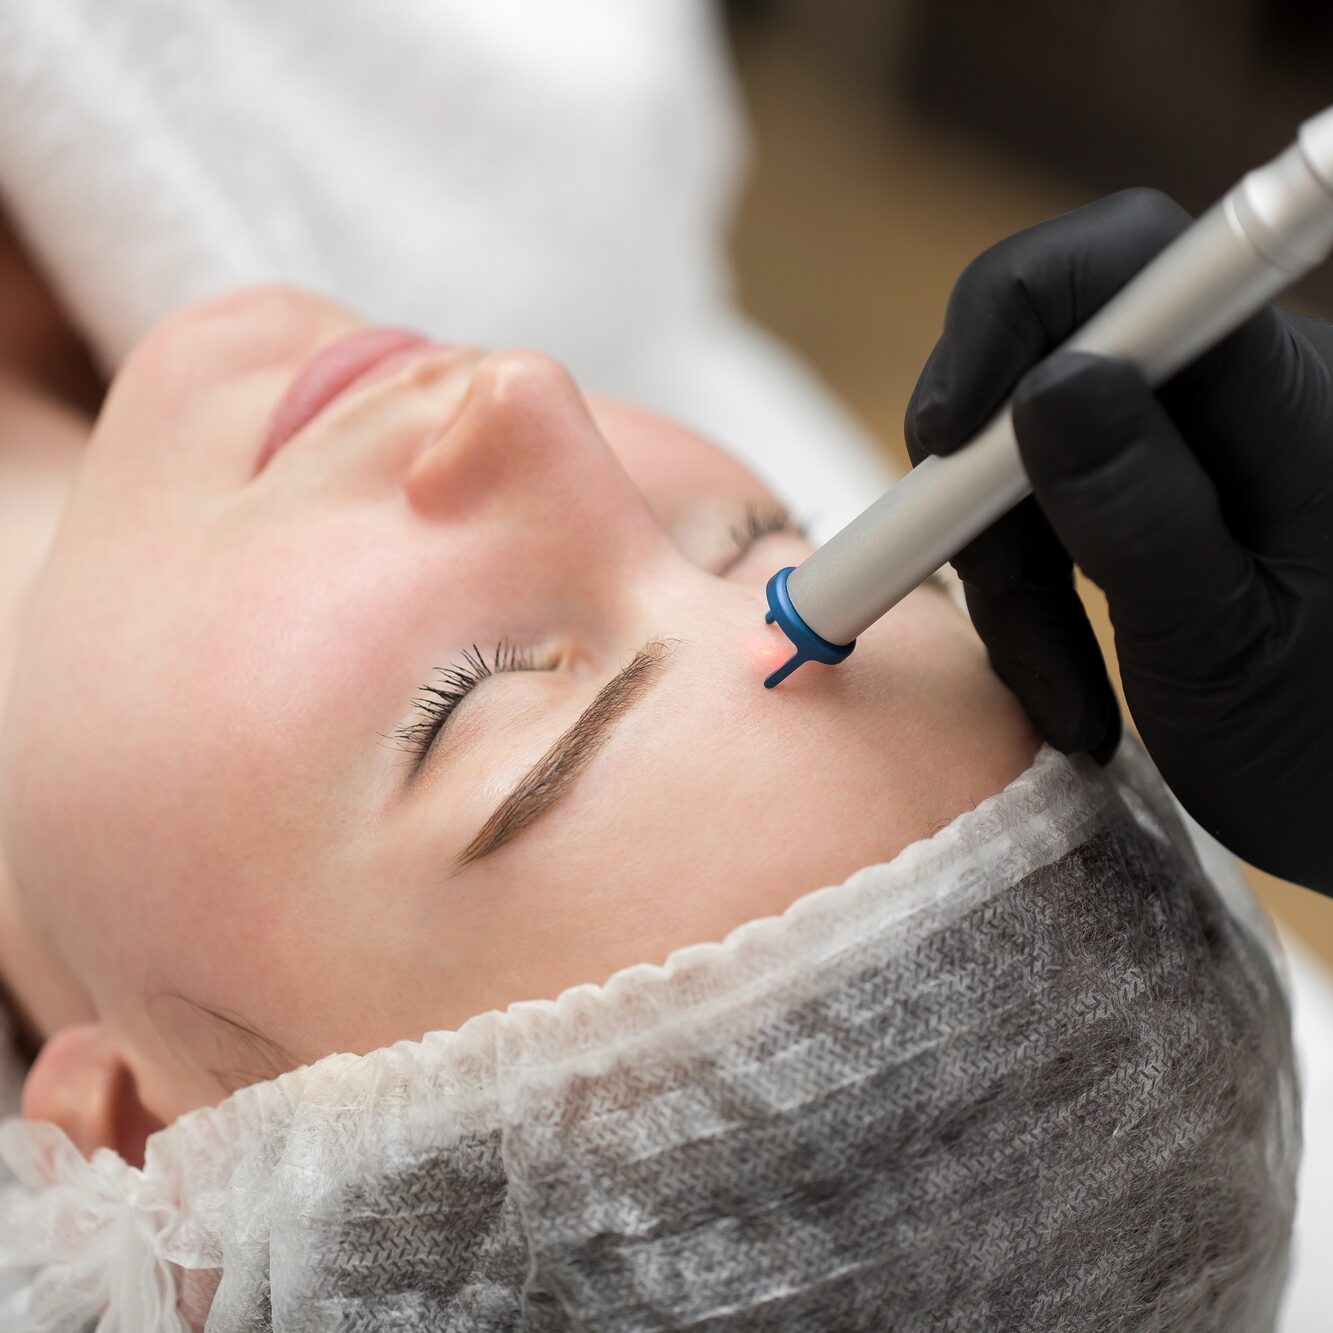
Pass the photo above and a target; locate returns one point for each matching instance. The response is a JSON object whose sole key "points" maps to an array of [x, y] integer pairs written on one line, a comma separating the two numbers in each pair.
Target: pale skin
{"points": [[200, 793]]}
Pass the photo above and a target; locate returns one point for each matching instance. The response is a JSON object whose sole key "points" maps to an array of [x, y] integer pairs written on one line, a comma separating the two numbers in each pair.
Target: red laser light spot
{"points": [[767, 648]]}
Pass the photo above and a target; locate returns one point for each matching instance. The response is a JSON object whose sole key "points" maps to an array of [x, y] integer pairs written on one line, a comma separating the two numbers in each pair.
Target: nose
{"points": [[524, 458]]}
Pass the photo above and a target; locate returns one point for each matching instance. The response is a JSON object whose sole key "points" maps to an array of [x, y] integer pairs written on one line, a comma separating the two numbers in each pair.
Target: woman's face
{"points": [[229, 780]]}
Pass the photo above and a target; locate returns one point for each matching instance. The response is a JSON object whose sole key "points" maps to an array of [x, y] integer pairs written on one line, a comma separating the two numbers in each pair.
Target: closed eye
{"points": [[441, 696], [761, 520]]}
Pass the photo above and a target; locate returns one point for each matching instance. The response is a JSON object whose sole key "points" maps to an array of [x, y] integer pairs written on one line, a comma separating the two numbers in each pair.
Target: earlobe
{"points": [[81, 1082]]}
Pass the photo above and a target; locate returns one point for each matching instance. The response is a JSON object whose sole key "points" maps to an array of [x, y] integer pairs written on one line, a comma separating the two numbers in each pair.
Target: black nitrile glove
{"points": [[1204, 512]]}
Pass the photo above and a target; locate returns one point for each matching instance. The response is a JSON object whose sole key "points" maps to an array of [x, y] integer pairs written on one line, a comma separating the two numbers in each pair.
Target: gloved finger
{"points": [[1132, 505], [1022, 298], [1041, 645], [1256, 411], [1017, 548]]}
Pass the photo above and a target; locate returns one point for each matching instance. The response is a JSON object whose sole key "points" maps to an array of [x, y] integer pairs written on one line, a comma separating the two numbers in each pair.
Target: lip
{"points": [[335, 368]]}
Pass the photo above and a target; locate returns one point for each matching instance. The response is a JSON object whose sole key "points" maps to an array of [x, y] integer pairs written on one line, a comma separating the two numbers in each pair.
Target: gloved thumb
{"points": [[1136, 510]]}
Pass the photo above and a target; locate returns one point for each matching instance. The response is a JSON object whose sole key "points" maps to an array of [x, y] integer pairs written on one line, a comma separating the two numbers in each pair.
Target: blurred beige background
{"points": [[862, 209]]}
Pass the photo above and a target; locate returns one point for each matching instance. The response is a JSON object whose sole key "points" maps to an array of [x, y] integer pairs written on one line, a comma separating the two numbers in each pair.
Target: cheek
{"points": [[345, 612], [691, 485]]}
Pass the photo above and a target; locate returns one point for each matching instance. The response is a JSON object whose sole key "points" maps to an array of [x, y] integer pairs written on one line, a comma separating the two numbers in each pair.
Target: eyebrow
{"points": [[554, 774]]}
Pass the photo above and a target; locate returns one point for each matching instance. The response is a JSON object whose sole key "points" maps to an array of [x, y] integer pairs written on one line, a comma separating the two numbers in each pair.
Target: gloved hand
{"points": [[1204, 512]]}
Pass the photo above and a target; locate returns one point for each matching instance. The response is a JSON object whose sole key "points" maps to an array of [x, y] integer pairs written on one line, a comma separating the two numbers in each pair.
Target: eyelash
{"points": [[452, 684], [760, 521]]}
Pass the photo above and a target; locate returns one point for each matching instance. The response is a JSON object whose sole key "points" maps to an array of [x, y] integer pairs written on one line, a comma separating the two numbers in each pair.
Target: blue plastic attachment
{"points": [[809, 646]]}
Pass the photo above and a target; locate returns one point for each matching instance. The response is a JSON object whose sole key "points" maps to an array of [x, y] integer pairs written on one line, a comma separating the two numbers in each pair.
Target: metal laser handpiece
{"points": [[1267, 232]]}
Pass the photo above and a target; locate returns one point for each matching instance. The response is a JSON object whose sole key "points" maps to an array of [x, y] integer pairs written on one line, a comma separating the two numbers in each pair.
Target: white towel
{"points": [[509, 173]]}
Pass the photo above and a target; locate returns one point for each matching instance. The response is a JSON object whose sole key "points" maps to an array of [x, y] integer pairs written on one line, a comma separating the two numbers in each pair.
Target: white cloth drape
{"points": [[507, 173]]}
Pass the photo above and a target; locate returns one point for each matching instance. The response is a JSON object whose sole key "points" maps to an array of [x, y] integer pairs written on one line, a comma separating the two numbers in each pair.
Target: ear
{"points": [[81, 1082]]}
